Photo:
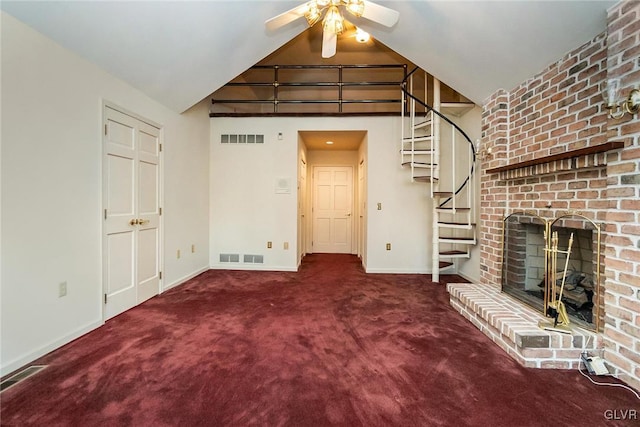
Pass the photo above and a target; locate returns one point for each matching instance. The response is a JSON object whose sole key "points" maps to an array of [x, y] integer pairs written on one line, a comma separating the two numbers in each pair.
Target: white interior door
{"points": [[131, 241], [332, 208]]}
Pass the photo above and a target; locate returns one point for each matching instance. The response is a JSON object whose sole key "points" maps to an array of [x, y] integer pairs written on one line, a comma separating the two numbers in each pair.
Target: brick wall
{"points": [[622, 321], [558, 110], [493, 193]]}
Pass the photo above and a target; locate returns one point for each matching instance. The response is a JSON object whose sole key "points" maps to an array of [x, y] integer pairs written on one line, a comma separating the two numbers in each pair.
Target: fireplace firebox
{"points": [[526, 265]]}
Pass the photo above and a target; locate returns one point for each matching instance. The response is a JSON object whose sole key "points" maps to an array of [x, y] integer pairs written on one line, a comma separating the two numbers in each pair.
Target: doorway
{"points": [[131, 209]]}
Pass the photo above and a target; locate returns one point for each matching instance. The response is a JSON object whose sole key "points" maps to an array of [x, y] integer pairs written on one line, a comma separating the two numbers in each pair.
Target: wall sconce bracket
{"points": [[617, 105]]}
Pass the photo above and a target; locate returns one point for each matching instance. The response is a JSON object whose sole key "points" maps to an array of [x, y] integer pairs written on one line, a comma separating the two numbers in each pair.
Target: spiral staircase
{"points": [[438, 152]]}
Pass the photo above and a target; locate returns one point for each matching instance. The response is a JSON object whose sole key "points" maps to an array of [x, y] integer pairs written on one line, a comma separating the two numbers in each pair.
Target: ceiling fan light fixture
{"points": [[333, 21], [356, 7], [313, 13]]}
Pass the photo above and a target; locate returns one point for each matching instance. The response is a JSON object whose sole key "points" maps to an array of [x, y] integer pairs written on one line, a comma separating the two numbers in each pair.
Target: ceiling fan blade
{"points": [[380, 14], [286, 17], [329, 43]]}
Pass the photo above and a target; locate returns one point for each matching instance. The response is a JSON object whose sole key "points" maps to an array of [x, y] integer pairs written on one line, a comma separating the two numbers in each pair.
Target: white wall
{"points": [[471, 124], [51, 190], [246, 212], [301, 244], [363, 203], [405, 217]]}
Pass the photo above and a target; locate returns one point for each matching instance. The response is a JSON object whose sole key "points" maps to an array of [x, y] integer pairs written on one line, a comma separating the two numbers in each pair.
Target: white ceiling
{"points": [[179, 52], [342, 140]]}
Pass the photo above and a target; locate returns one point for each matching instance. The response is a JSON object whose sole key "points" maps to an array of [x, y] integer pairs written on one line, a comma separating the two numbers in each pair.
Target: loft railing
{"points": [[312, 89]]}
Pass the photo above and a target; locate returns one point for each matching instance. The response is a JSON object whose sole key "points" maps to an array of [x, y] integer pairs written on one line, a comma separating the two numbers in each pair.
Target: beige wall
{"points": [[52, 190], [246, 213]]}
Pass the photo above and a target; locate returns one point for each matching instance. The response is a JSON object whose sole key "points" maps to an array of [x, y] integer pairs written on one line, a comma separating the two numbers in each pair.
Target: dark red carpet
{"points": [[329, 345]]}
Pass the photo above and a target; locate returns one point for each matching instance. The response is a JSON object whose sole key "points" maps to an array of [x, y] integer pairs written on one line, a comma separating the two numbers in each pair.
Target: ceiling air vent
{"points": [[241, 139]]}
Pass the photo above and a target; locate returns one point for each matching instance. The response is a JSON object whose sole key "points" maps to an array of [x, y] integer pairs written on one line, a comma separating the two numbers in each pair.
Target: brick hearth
{"points": [[514, 327]]}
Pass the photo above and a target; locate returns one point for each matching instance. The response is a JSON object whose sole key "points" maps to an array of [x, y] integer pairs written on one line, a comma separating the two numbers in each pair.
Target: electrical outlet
{"points": [[178, 254], [62, 289], [193, 249], [388, 246], [286, 246], [269, 245]]}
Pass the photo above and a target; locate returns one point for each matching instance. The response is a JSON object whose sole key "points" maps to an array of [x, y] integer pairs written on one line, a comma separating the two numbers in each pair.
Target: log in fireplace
{"points": [[526, 264]]}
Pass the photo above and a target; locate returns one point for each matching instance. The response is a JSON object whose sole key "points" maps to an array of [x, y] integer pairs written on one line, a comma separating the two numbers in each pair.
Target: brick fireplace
{"points": [[527, 271], [554, 151]]}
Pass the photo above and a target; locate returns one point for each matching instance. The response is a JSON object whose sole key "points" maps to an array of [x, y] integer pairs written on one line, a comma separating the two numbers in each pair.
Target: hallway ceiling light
{"points": [[333, 23], [362, 36], [329, 142]]}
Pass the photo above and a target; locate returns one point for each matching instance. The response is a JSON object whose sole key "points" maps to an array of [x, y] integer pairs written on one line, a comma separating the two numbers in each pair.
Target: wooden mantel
{"points": [[601, 148]]}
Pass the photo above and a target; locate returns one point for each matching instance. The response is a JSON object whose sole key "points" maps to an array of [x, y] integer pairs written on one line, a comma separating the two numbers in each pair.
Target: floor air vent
{"points": [[229, 257], [254, 259], [241, 139], [22, 375]]}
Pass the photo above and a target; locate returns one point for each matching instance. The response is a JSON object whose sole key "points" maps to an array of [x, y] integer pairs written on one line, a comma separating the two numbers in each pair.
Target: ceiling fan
{"points": [[333, 22]]}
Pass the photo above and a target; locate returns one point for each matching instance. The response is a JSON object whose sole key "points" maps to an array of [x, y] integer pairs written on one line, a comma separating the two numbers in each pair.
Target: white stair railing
{"points": [[448, 192]]}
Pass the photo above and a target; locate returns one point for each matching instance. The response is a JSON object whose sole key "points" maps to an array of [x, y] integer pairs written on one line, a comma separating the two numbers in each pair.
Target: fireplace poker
{"points": [[556, 308]]}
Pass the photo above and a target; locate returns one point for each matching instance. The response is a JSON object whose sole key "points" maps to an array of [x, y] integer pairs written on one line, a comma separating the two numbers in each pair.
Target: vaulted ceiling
{"points": [[179, 52]]}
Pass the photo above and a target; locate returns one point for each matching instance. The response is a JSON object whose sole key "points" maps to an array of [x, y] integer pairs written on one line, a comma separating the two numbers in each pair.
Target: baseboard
{"points": [[251, 267], [48, 348], [392, 270], [183, 279]]}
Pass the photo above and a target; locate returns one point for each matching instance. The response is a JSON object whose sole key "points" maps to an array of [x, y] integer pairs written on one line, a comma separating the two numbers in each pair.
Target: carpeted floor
{"points": [[329, 345]]}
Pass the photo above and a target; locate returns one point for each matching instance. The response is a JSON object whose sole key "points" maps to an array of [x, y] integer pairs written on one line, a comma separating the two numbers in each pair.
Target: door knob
{"points": [[349, 214], [143, 221], [134, 222]]}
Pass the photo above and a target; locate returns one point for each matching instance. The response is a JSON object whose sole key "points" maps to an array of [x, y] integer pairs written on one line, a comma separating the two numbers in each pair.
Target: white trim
{"points": [[47, 348], [184, 279], [113, 106], [250, 267], [355, 233], [392, 270]]}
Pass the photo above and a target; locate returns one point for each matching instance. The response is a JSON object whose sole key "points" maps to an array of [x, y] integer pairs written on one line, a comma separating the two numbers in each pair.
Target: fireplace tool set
{"points": [[556, 309]]}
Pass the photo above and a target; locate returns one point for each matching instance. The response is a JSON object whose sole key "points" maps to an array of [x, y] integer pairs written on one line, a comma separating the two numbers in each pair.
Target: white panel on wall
{"points": [[148, 177], [147, 265], [120, 171], [119, 248]]}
